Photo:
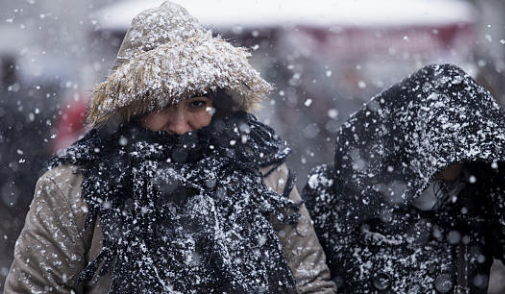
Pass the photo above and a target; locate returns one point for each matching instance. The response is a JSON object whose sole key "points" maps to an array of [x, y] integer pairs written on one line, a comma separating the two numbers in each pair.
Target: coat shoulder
{"points": [[64, 184], [62, 176]]}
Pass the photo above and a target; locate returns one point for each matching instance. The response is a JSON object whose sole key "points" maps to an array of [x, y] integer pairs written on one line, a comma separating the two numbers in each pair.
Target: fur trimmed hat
{"points": [[166, 57]]}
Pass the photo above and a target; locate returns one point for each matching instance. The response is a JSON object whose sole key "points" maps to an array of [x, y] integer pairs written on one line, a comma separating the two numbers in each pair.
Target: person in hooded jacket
{"points": [[414, 202], [177, 188]]}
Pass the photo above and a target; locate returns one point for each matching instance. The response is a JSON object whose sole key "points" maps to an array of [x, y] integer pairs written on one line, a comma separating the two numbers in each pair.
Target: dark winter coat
{"points": [[386, 155]]}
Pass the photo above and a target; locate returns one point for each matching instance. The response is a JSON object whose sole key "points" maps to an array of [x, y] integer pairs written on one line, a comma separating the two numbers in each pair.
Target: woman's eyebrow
{"points": [[200, 96]]}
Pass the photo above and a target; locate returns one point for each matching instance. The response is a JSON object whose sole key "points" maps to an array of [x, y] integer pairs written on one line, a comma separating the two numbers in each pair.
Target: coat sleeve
{"points": [[49, 252], [303, 252]]}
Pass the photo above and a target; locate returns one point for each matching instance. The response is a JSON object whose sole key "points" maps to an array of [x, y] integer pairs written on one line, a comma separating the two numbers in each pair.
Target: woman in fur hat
{"points": [[177, 188]]}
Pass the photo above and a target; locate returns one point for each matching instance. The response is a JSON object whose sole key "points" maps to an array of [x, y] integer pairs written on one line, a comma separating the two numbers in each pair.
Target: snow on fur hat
{"points": [[167, 56]]}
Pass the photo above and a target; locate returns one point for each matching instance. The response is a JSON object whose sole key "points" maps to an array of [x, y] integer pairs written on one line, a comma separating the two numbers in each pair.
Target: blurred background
{"points": [[325, 59]]}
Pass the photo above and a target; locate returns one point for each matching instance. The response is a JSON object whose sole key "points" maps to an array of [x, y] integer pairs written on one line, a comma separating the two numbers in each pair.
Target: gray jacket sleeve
{"points": [[303, 252], [49, 252]]}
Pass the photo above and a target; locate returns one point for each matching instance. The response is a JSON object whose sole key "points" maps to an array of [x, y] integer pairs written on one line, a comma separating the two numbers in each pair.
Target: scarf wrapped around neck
{"points": [[188, 213]]}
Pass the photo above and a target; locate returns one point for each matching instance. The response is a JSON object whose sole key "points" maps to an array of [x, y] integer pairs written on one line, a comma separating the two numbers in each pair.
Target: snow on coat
{"points": [[186, 213], [386, 155]]}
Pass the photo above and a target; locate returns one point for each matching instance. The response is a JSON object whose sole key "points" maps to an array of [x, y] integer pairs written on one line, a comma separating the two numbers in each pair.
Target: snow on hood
{"points": [[167, 56], [387, 152]]}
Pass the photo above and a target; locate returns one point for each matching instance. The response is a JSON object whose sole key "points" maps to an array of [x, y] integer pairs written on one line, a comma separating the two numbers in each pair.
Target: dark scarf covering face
{"points": [[386, 155], [189, 213]]}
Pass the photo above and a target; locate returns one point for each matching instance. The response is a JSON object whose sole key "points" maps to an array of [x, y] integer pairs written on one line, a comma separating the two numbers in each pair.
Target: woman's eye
{"points": [[198, 103]]}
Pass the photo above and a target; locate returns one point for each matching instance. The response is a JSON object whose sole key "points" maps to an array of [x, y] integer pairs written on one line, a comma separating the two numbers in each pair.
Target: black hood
{"points": [[387, 152]]}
